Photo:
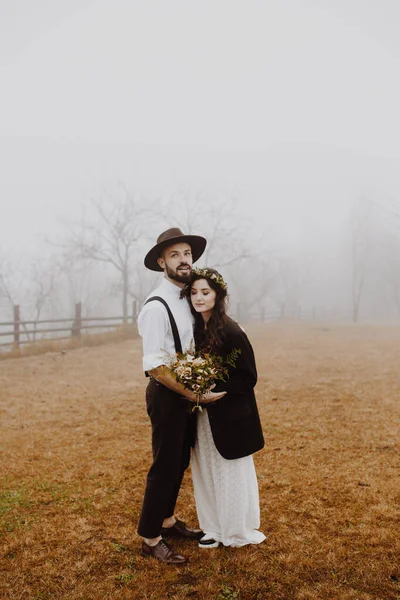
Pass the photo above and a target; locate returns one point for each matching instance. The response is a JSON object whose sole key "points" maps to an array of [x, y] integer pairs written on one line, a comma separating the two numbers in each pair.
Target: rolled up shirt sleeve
{"points": [[153, 328]]}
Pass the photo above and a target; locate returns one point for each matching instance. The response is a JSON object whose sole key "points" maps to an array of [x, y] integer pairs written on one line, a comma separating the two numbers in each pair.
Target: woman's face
{"points": [[202, 298]]}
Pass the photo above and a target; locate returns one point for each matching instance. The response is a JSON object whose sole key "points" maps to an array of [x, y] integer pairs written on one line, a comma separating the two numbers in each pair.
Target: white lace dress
{"points": [[226, 492]]}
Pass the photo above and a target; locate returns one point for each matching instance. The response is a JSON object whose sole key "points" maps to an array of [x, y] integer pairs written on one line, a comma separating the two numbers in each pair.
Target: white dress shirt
{"points": [[155, 328]]}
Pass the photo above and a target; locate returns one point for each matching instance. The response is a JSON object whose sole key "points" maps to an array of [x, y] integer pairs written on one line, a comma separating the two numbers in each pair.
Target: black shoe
{"points": [[208, 543], [180, 530], [163, 553]]}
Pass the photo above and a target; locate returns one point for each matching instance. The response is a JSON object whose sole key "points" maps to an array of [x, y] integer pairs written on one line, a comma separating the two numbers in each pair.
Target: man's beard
{"points": [[179, 277]]}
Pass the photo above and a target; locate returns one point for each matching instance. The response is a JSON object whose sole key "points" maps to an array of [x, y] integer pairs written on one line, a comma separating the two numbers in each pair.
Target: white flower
{"points": [[199, 361]]}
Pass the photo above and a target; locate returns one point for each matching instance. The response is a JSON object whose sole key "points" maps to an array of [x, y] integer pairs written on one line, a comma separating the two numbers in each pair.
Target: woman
{"points": [[228, 431]]}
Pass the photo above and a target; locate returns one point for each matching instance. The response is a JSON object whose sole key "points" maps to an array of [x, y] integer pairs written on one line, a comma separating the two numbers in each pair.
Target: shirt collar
{"points": [[171, 288]]}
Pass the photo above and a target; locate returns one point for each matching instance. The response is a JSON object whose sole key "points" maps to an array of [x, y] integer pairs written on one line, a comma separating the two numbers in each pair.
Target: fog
{"points": [[277, 119]]}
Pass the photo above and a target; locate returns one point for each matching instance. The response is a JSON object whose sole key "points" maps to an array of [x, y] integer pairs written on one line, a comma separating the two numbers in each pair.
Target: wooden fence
{"points": [[25, 332]]}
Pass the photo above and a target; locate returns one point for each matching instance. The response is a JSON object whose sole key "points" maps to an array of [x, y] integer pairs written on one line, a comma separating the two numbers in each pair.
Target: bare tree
{"points": [[43, 278], [110, 233], [14, 284], [6, 291], [141, 283], [292, 276], [389, 205], [217, 218], [253, 286], [232, 244], [360, 218], [13, 280]]}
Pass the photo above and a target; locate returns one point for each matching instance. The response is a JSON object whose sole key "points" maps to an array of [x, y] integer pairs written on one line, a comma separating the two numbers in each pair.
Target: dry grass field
{"points": [[75, 449]]}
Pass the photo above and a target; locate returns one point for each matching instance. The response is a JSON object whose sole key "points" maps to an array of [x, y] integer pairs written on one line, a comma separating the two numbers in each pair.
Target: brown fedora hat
{"points": [[169, 238]]}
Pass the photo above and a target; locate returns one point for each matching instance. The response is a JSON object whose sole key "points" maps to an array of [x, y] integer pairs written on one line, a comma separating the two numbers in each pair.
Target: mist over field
{"points": [[269, 127]]}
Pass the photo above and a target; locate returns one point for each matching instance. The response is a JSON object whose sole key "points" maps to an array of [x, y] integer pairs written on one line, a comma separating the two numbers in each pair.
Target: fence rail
{"points": [[21, 334], [25, 332]]}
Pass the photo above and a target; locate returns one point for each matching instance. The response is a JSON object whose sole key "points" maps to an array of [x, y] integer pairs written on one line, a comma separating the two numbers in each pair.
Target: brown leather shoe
{"points": [[180, 530], [163, 552]]}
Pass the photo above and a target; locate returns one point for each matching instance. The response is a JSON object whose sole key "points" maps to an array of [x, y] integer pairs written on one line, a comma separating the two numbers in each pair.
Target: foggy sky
{"points": [[291, 103]]}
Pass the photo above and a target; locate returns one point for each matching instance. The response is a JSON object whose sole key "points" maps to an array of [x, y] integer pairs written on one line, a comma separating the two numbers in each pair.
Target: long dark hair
{"points": [[210, 338]]}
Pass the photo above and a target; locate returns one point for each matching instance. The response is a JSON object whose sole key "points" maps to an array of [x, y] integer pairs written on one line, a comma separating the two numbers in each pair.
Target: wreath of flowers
{"points": [[207, 274]]}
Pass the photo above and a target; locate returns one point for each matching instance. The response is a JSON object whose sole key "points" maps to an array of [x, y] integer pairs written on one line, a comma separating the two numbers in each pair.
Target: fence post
{"points": [[77, 324], [16, 325]]}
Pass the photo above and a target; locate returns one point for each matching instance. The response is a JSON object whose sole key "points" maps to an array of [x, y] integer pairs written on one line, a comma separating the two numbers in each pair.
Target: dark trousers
{"points": [[172, 436]]}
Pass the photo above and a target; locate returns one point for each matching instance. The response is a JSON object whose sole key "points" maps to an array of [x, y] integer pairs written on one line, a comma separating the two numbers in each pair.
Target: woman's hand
{"points": [[211, 397], [164, 376], [206, 398]]}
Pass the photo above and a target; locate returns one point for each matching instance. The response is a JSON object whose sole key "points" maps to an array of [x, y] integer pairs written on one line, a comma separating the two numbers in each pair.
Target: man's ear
{"points": [[161, 262]]}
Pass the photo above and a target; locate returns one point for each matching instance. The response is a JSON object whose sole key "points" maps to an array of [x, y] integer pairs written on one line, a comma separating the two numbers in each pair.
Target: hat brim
{"points": [[196, 242]]}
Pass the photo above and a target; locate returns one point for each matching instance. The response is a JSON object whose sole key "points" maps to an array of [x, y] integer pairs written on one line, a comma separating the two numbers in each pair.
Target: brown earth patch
{"points": [[75, 449]]}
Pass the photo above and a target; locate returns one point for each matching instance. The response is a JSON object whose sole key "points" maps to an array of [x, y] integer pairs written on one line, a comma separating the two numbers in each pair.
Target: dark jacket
{"points": [[234, 420]]}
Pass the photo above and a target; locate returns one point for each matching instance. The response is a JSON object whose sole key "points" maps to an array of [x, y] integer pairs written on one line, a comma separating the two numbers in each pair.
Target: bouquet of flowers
{"points": [[197, 372]]}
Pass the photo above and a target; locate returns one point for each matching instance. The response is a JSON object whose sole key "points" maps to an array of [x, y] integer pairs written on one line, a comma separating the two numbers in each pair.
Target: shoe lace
{"points": [[164, 543]]}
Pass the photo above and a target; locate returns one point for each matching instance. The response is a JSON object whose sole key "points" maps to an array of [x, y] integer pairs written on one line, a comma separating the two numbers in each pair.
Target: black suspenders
{"points": [[175, 333]]}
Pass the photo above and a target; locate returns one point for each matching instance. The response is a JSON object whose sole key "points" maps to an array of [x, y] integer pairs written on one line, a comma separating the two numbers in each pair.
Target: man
{"points": [[166, 326]]}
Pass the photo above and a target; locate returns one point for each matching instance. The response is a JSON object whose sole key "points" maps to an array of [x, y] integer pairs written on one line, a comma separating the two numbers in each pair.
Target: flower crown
{"points": [[208, 274]]}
